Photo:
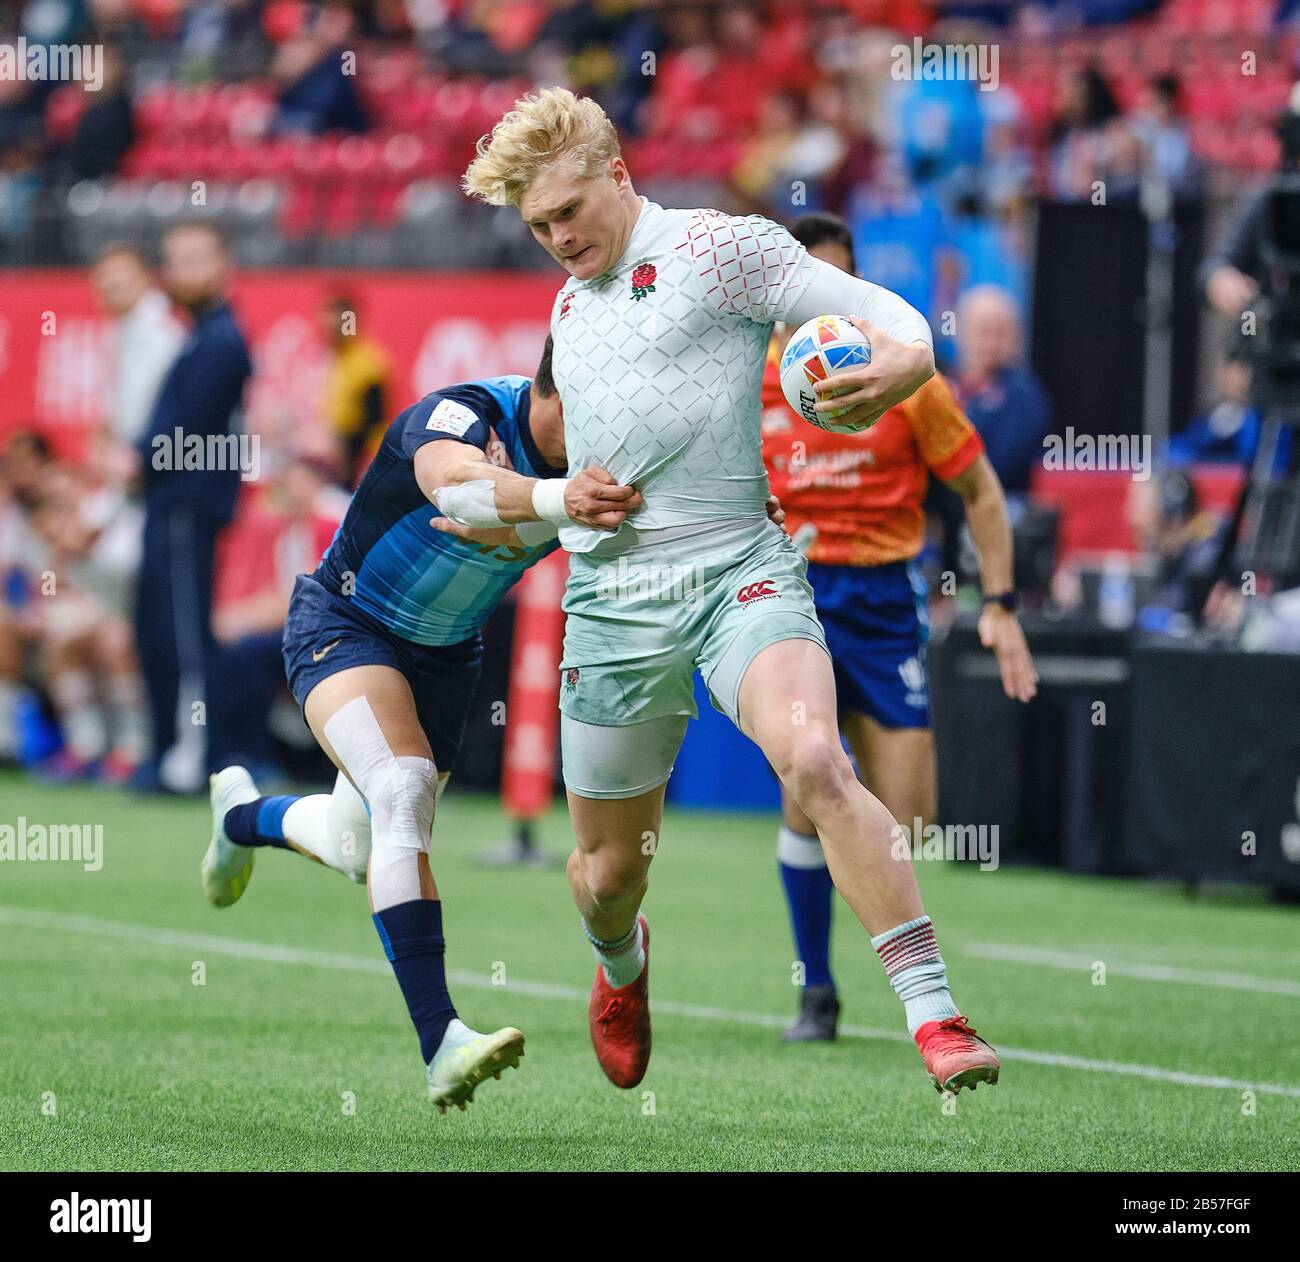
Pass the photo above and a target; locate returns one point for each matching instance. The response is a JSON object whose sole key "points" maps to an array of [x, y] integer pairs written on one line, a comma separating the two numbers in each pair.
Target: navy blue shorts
{"points": [[877, 626], [325, 633]]}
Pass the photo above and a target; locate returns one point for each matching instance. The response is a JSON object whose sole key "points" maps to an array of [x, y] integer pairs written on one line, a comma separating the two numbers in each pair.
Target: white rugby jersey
{"points": [[659, 361]]}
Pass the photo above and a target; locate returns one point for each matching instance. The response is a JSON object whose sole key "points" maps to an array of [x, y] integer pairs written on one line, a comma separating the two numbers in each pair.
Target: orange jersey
{"points": [[864, 493]]}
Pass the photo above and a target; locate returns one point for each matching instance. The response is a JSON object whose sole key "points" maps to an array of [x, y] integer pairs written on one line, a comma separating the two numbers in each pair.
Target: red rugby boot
{"points": [[954, 1056], [620, 1022]]}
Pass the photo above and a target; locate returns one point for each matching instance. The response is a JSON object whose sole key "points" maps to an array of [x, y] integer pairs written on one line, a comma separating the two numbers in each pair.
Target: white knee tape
{"points": [[401, 793]]}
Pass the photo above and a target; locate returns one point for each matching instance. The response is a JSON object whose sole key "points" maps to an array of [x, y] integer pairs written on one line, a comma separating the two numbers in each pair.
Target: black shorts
{"points": [[325, 633]]}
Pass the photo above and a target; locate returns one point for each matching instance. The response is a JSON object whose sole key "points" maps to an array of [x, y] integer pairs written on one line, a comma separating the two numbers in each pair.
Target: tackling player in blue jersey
{"points": [[382, 651]]}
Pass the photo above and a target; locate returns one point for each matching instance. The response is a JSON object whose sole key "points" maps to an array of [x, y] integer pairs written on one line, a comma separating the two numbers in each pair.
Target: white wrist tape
{"points": [[548, 499], [532, 534], [469, 503]]}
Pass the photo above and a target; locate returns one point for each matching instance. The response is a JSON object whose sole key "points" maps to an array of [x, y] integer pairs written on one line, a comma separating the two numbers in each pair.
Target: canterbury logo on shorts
{"points": [[757, 591]]}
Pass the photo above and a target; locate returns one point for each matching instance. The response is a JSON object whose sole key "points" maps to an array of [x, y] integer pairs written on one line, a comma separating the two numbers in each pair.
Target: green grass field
{"points": [[296, 1053]]}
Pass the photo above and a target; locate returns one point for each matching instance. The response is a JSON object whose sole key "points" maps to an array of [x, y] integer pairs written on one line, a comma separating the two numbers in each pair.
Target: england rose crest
{"points": [[571, 677], [643, 280]]}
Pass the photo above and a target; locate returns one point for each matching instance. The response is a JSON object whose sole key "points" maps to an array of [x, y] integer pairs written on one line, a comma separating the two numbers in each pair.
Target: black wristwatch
{"points": [[1008, 600]]}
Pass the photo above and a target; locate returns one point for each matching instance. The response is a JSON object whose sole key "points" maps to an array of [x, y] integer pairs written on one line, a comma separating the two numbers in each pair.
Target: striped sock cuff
{"points": [[611, 948], [907, 945]]}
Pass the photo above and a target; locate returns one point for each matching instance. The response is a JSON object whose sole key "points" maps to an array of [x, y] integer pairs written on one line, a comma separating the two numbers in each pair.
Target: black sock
{"points": [[412, 937], [259, 822]]}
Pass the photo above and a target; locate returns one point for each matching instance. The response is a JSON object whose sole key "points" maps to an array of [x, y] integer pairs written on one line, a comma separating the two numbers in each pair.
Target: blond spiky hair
{"points": [[542, 128]]}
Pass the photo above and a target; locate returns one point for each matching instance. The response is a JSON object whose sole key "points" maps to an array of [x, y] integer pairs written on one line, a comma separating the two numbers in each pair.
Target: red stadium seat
{"points": [[299, 214], [344, 210]]}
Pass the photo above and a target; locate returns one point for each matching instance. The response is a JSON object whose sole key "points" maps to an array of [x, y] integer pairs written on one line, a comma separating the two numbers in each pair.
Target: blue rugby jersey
{"points": [[423, 585]]}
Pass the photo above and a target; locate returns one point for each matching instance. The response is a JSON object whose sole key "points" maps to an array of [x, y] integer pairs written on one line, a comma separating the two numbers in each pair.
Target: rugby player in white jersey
{"points": [[660, 334]]}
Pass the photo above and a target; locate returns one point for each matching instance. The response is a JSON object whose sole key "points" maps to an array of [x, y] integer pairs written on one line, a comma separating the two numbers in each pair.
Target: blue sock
{"points": [[259, 822], [412, 937], [808, 894]]}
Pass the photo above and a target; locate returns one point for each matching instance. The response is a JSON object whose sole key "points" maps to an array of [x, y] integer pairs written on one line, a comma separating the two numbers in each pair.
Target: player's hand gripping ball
{"points": [[819, 349]]}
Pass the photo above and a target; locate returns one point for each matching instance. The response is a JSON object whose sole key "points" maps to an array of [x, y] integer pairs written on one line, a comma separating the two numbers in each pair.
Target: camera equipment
{"points": [[1266, 524]]}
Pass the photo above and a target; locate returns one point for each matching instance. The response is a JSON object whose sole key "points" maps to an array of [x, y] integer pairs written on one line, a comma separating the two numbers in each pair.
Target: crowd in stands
{"points": [[138, 642], [318, 123], [350, 123]]}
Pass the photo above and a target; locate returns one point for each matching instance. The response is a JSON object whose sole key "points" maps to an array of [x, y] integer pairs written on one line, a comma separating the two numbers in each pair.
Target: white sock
{"points": [[131, 722], [798, 850], [624, 960], [84, 730], [332, 827], [916, 971]]}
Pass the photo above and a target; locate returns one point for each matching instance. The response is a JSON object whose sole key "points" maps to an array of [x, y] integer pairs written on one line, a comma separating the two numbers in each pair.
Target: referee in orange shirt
{"points": [[854, 503]]}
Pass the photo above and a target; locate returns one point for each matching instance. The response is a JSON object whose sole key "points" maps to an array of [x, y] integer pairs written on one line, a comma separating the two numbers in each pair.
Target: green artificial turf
{"points": [[111, 1057]]}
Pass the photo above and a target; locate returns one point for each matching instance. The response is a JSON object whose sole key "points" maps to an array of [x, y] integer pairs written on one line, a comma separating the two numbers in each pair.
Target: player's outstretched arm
{"points": [[470, 490], [753, 267]]}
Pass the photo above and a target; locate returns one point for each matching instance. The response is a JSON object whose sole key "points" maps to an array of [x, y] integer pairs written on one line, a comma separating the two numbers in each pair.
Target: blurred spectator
{"points": [[1006, 170], [712, 86], [21, 182], [222, 39], [832, 107], [124, 25], [22, 112], [1232, 273], [106, 128], [992, 226], [146, 339], [764, 173], [305, 509], [796, 155], [1184, 543], [1161, 126], [1091, 143], [201, 398], [901, 235], [22, 473], [1229, 432], [992, 248], [53, 21], [1000, 394], [357, 388], [316, 93], [941, 133], [86, 652]]}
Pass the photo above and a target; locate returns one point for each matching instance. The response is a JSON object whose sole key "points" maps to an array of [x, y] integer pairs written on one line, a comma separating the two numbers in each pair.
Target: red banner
{"points": [[439, 328], [532, 720]]}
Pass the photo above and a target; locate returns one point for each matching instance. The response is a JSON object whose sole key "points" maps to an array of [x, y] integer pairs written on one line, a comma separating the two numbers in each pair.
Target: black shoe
{"points": [[819, 1011]]}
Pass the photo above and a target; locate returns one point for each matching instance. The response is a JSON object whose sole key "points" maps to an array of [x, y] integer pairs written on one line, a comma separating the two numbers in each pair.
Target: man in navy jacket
{"points": [[193, 459]]}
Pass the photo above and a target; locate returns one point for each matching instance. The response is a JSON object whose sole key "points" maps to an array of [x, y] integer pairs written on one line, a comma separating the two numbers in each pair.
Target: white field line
{"points": [[1080, 963], [61, 922]]}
